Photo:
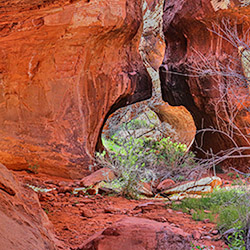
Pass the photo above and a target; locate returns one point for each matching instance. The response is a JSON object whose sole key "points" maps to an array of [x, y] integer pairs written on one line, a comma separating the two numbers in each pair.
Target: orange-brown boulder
{"points": [[202, 69], [24, 225], [136, 233], [165, 184], [180, 120], [103, 174], [64, 67]]}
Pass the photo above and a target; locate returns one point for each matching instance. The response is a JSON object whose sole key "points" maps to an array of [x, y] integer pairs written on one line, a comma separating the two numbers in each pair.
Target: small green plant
{"points": [[236, 240], [237, 182], [46, 210], [200, 215], [197, 247], [34, 168], [231, 175]]}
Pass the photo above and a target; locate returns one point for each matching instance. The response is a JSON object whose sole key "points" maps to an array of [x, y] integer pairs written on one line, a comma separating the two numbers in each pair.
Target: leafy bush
{"points": [[138, 160], [236, 240], [133, 165]]}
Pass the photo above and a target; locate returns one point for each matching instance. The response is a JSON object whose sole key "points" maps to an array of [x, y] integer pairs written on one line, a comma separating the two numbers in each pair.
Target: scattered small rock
{"points": [[215, 232], [56, 204], [196, 235], [161, 219], [86, 213], [110, 210], [65, 189], [207, 211], [106, 191], [179, 212], [41, 196], [145, 189], [207, 237], [148, 206], [167, 183], [103, 174], [206, 221], [86, 201], [91, 191], [133, 212], [62, 184], [98, 196], [81, 192], [170, 210]]}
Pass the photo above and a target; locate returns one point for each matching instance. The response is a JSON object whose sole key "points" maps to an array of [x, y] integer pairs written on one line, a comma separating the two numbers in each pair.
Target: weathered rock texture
{"points": [[135, 233], [181, 122], [152, 49], [64, 66], [23, 223], [192, 71]]}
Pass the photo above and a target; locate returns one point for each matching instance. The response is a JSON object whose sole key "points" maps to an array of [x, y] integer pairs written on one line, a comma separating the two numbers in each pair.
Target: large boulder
{"points": [[135, 234], [181, 122], [202, 69], [64, 67], [24, 225]]}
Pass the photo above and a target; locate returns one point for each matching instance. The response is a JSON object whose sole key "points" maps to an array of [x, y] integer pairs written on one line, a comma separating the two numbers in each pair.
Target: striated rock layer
{"points": [[24, 225], [64, 67], [202, 69]]}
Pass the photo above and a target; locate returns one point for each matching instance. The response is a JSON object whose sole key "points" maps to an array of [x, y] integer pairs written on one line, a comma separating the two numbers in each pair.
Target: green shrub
{"points": [[137, 160], [236, 240], [228, 208], [34, 168], [132, 164]]}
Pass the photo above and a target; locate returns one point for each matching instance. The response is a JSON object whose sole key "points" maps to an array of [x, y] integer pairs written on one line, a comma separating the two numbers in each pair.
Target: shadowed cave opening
{"points": [[152, 118]]}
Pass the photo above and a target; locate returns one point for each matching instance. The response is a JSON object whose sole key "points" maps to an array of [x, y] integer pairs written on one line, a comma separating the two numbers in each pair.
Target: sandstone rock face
{"points": [[180, 120], [64, 67], [103, 174], [175, 122], [200, 66], [135, 233], [24, 225]]}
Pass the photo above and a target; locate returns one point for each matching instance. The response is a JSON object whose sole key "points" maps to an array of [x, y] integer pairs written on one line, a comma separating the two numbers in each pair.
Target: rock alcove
{"points": [[153, 117]]}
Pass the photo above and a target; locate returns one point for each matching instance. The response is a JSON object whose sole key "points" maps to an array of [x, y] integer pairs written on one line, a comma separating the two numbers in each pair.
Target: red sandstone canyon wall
{"points": [[64, 67], [24, 225], [198, 69]]}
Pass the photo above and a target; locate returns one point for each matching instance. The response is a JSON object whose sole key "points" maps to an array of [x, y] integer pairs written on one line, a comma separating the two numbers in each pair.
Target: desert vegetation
{"points": [[139, 151]]}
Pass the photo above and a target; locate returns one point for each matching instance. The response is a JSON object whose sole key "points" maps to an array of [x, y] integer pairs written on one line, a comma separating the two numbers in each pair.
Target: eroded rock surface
{"points": [[200, 66], [137, 233], [103, 174], [181, 122], [64, 66], [23, 223]]}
